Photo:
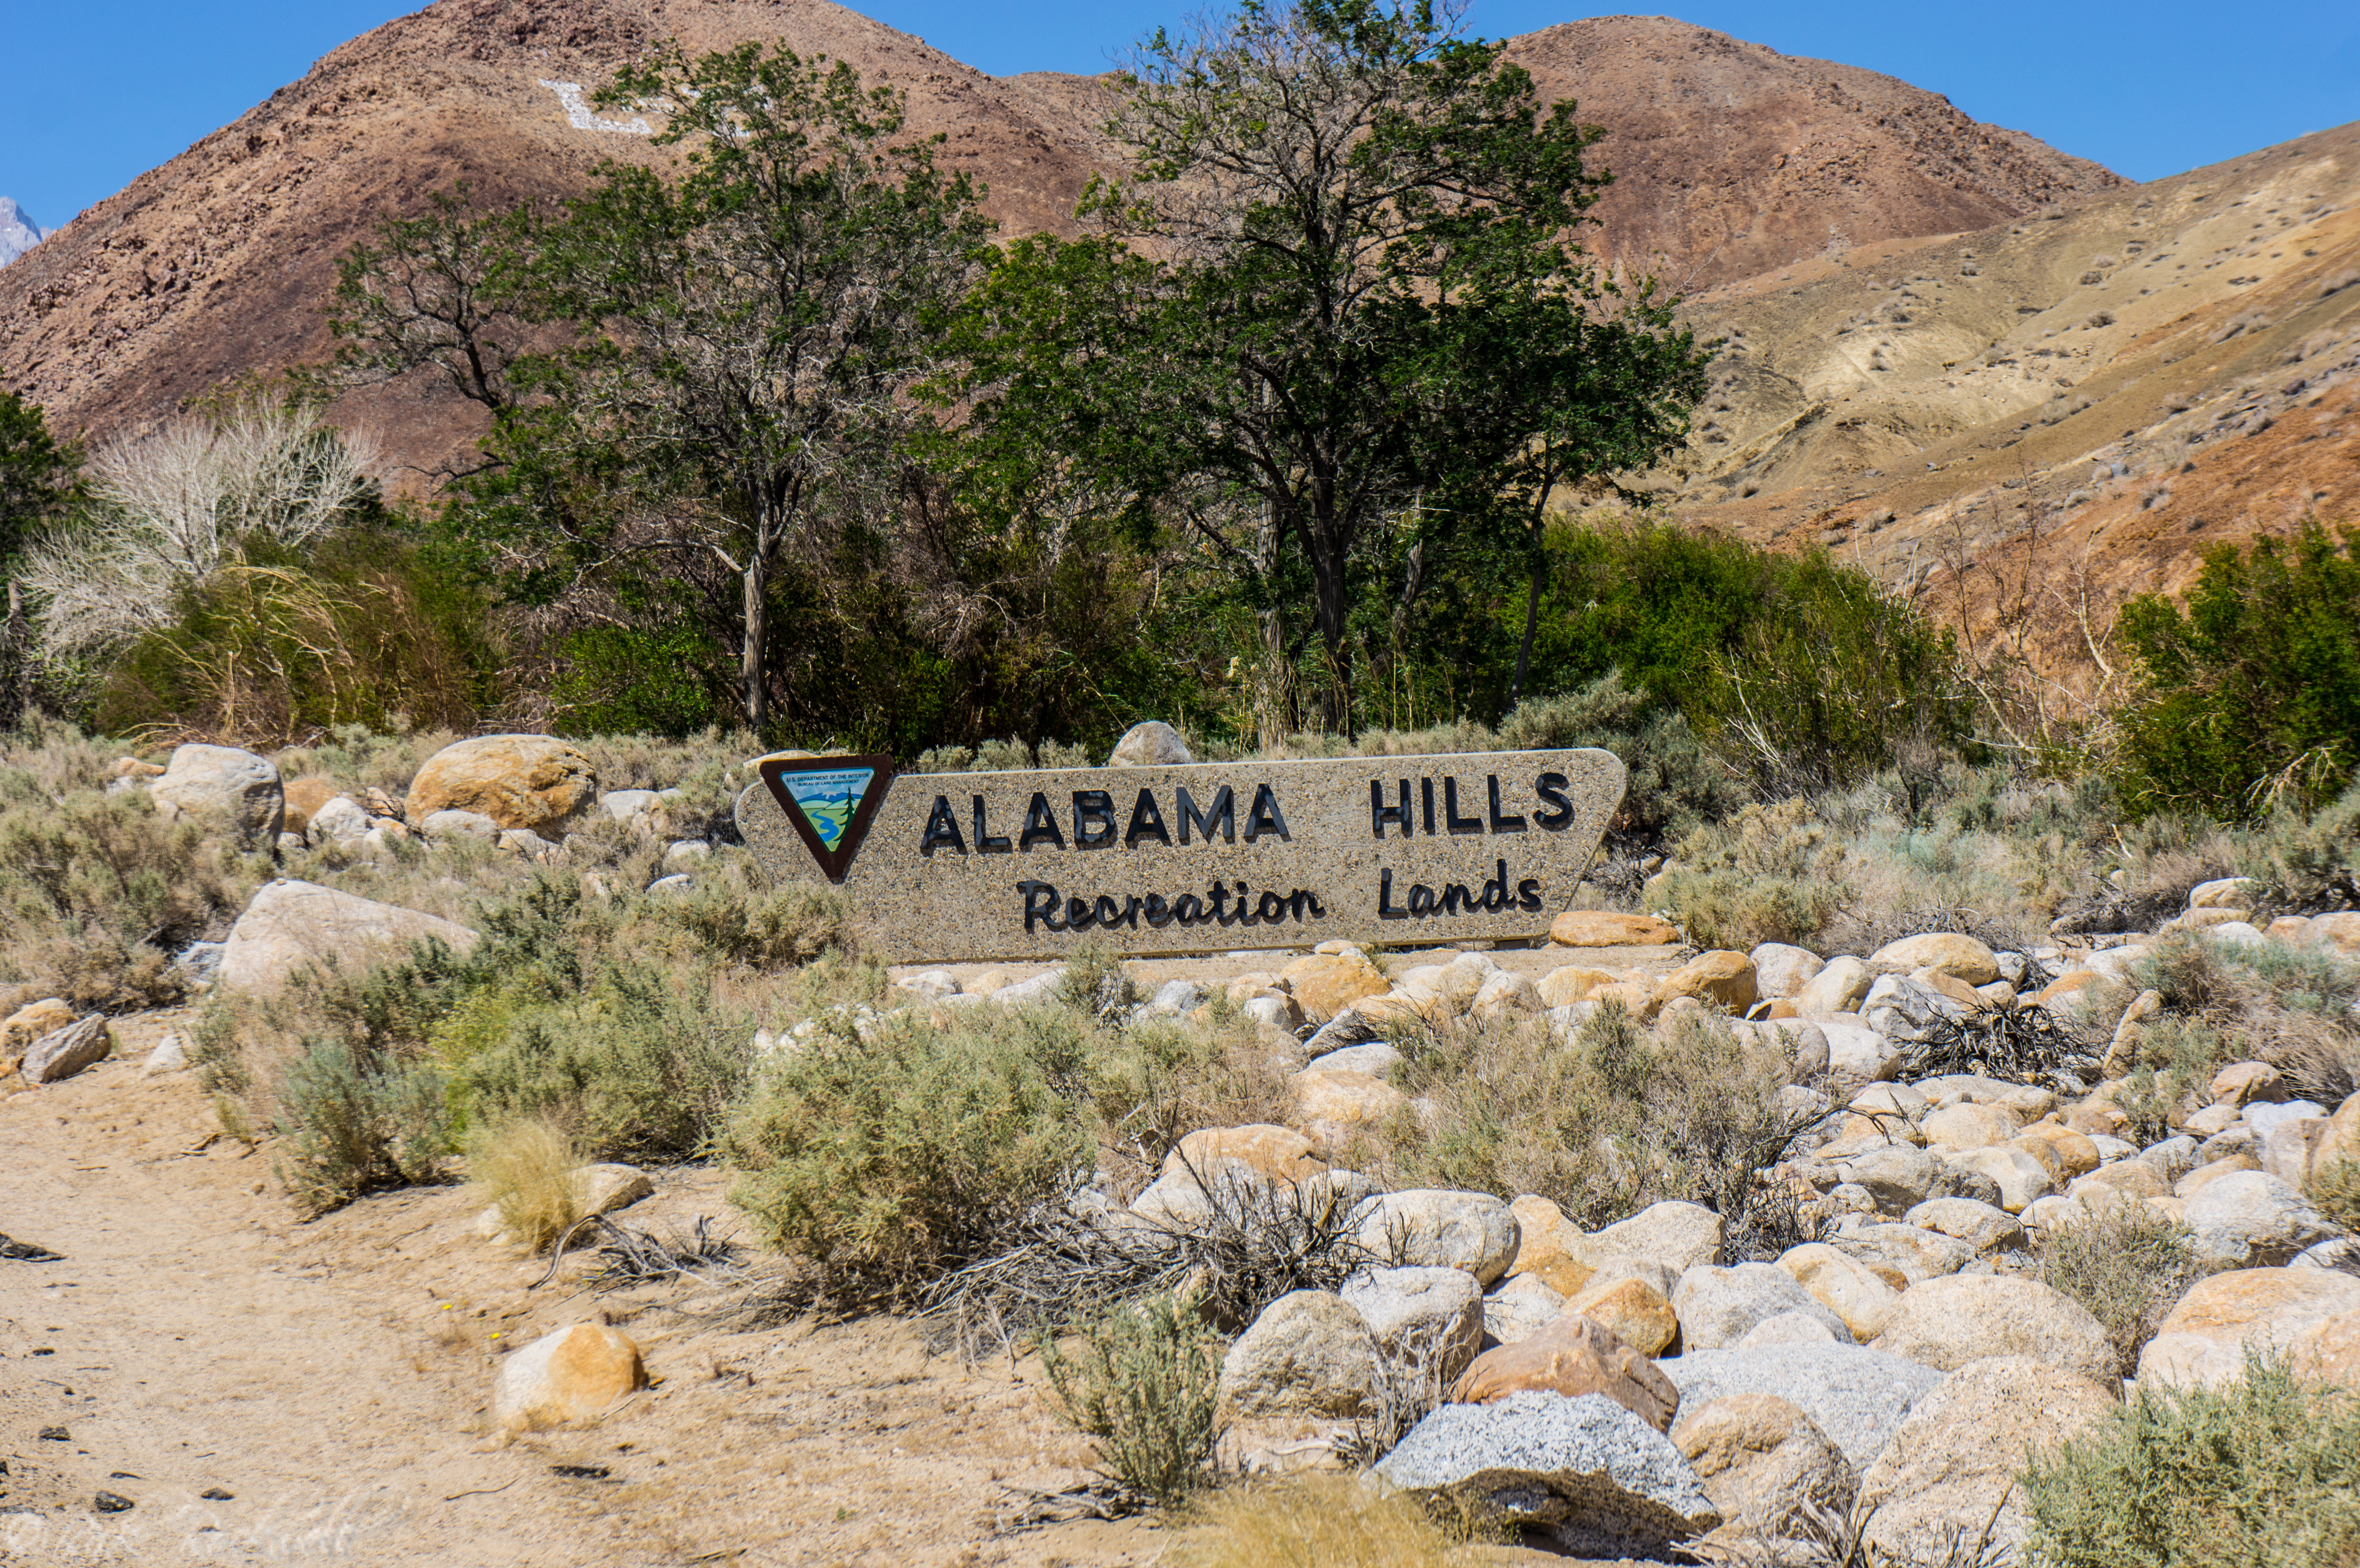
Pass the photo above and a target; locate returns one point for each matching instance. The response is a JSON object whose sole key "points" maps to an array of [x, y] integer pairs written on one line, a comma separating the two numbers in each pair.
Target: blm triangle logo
{"points": [[830, 800]]}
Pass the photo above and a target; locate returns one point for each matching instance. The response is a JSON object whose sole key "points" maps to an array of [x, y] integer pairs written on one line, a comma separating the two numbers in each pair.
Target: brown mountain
{"points": [[2086, 401], [1729, 159]]}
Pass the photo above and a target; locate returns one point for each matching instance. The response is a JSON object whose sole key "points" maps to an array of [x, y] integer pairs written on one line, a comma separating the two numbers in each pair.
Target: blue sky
{"points": [[99, 91]]}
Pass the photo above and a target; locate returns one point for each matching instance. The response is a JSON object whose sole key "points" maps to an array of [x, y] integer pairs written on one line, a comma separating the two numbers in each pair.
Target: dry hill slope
{"points": [[2139, 377], [1730, 158]]}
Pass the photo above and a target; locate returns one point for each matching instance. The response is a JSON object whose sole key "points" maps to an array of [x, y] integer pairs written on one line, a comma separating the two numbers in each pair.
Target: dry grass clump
{"points": [[1324, 1522], [2334, 1191], [1769, 874], [524, 1167], [2268, 1001], [1603, 1125]]}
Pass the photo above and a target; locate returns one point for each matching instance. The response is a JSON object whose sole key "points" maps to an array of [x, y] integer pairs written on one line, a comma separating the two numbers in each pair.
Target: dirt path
{"points": [[329, 1378]]}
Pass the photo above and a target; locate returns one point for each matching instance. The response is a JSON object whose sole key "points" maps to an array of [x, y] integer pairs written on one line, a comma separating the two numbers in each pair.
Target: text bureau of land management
{"points": [[1093, 820]]}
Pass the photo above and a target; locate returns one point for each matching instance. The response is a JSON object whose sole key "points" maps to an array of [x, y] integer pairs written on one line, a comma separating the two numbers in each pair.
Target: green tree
{"points": [[41, 476], [434, 290], [740, 332], [1337, 283], [2250, 696]]}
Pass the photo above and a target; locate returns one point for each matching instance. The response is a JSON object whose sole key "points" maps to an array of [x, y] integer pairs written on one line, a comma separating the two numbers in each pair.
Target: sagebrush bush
{"points": [[2334, 1191], [2128, 1264], [353, 1122], [1143, 1382], [525, 1169], [2263, 1471], [99, 892], [1769, 874], [1603, 1126], [897, 1155]]}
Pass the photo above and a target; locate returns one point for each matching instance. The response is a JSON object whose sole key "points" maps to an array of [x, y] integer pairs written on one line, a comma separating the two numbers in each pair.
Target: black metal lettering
{"points": [[1425, 800], [987, 842], [1223, 814], [1528, 894], [941, 828], [1109, 913], [1299, 900], [1501, 824], [1550, 788], [1450, 817], [1131, 912], [1265, 816], [1496, 896], [1385, 910], [1145, 820], [1380, 813], [1093, 810], [1040, 824], [1189, 909], [1040, 904], [1220, 896], [1159, 913], [1421, 900], [1271, 907], [1455, 896], [1080, 912]]}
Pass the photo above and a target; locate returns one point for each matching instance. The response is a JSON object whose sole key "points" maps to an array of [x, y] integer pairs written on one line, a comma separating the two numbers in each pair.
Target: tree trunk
{"points": [[1533, 595], [751, 667], [1336, 697]]}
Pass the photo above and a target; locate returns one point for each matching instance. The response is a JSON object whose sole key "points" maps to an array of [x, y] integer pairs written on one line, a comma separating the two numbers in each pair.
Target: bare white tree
{"points": [[173, 505]]}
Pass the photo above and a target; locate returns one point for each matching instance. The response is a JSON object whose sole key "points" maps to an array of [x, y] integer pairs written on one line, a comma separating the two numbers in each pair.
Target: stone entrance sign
{"points": [[941, 866]]}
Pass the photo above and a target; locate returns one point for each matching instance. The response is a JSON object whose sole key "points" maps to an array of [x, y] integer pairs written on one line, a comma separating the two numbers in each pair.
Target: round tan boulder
{"points": [[1725, 979], [1326, 983], [1563, 987], [1602, 928], [290, 923], [1954, 1459], [2203, 1341], [1970, 1126], [537, 783], [1632, 1310], [1947, 1322], [572, 1374], [1273, 1153], [30, 1023], [1309, 1353], [2124, 1178], [1839, 987], [226, 786], [1573, 1356], [304, 799], [1960, 957], [1545, 1247], [2329, 1350], [1333, 1104], [1766, 1465], [2241, 1082], [1844, 1285], [2074, 1151]]}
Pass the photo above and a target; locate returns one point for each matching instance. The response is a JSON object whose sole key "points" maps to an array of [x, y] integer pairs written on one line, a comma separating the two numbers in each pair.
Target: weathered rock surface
{"points": [[1309, 1353], [30, 1022], [2203, 1340], [1440, 1228], [1604, 1480], [1677, 1235], [60, 1055], [2251, 1218], [569, 1375], [1633, 1310], [1717, 1306], [1766, 1465], [290, 923], [1950, 1322], [537, 783], [1953, 1463], [1857, 1396], [1421, 1316], [1153, 743], [1326, 984], [1572, 1354], [1960, 957], [1842, 1284], [224, 784]]}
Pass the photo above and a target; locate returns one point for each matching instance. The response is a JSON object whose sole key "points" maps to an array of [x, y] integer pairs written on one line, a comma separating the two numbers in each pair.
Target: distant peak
{"points": [[18, 233]]}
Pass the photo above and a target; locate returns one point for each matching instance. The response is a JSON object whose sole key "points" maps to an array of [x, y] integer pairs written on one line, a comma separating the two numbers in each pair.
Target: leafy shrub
{"points": [[2250, 696], [2263, 1470], [525, 1169], [899, 1155], [2334, 1191], [2128, 1264], [2303, 863], [1605, 1125], [1144, 1385], [1770, 874]]}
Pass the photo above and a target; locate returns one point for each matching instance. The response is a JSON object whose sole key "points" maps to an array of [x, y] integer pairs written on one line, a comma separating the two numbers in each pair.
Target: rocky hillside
{"points": [[2136, 378], [18, 233], [1729, 159]]}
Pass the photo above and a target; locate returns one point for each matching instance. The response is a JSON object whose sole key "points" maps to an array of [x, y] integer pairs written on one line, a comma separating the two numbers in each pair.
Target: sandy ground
{"points": [[1531, 960], [326, 1380]]}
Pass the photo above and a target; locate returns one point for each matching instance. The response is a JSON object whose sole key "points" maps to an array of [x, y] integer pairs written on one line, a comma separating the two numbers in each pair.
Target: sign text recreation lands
{"points": [[951, 866]]}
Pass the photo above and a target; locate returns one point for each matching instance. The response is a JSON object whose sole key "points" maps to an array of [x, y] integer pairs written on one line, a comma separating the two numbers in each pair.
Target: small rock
{"points": [[2203, 1341], [1440, 1228], [1841, 985], [1678, 1234], [60, 1055], [604, 1189], [1572, 1354], [1373, 1060], [1954, 1461], [1327, 984], [113, 1503], [1600, 927], [519, 781], [1308, 1353], [1787, 1328], [2252, 1218], [1781, 970], [2021, 1177], [1633, 1310], [1562, 987], [1967, 1128], [1605, 1481], [30, 1023], [1723, 979], [1521, 1308], [1856, 1395], [572, 1374], [1153, 743], [1502, 995], [234, 787], [1960, 957], [1717, 1306], [1766, 1466], [1986, 1228], [458, 824], [1843, 1285], [1950, 1322], [1422, 1317], [170, 1055]]}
